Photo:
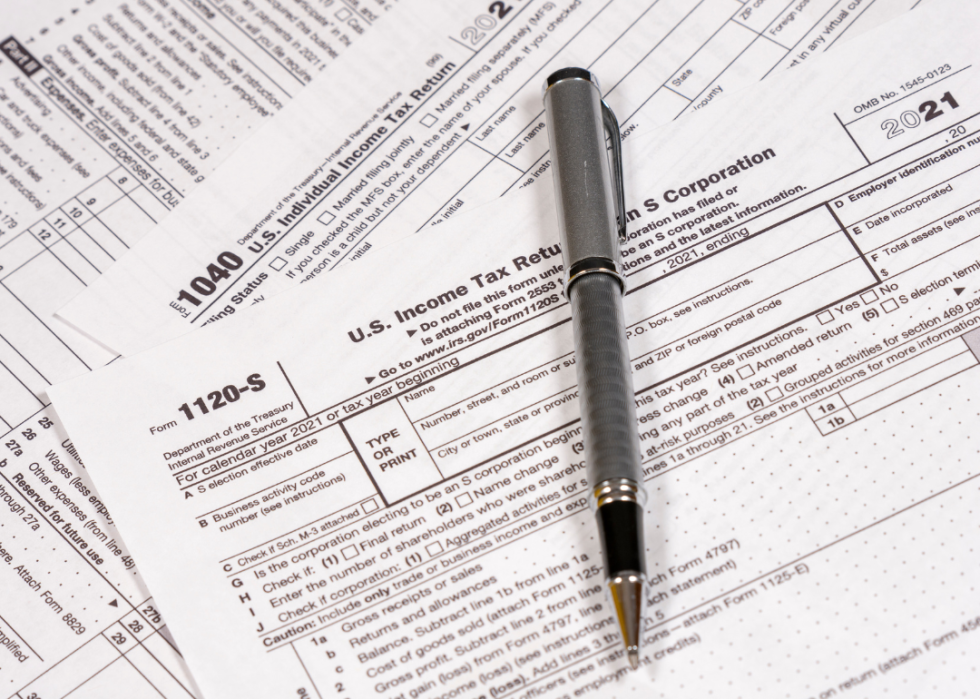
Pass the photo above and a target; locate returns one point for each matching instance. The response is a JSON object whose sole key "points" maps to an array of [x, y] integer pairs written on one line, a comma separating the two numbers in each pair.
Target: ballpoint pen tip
{"points": [[626, 595]]}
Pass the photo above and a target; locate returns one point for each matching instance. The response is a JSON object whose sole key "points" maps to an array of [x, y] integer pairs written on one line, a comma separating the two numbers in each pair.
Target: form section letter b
{"points": [[392, 452]]}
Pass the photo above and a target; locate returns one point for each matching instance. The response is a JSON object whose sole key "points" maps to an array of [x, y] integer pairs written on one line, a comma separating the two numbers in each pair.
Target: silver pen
{"points": [[589, 198]]}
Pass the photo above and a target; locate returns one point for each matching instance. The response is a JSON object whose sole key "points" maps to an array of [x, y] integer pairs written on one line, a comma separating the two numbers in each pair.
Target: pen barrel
{"points": [[584, 191], [612, 445]]}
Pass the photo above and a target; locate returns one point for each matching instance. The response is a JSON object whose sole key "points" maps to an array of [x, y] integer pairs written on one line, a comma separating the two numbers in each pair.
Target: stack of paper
{"points": [[373, 484]]}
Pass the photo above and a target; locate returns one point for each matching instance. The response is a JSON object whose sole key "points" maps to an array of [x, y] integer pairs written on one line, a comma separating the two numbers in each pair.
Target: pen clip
{"points": [[611, 126]]}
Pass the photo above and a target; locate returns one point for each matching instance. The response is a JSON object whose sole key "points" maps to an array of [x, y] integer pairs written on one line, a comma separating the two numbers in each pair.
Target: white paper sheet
{"points": [[458, 123], [373, 485], [110, 113]]}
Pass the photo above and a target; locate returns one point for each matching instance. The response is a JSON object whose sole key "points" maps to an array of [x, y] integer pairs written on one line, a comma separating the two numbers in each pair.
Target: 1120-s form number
{"points": [[219, 399], [928, 110]]}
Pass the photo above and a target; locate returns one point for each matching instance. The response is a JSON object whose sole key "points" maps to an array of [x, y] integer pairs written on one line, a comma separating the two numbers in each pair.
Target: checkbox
{"points": [[869, 296], [889, 305], [434, 549], [774, 393], [369, 505], [350, 552], [745, 372], [326, 218], [428, 120], [825, 317], [464, 499], [343, 15], [277, 263]]}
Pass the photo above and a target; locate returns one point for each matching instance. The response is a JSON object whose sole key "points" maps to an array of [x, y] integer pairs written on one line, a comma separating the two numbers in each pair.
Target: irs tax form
{"points": [[459, 123], [110, 113], [372, 485]]}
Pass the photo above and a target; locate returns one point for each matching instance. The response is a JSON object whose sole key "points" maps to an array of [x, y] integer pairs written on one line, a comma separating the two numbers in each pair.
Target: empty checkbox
{"points": [[774, 393], [369, 505]]}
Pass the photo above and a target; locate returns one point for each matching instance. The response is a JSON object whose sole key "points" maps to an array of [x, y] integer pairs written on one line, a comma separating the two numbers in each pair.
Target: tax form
{"points": [[110, 113], [373, 485], [459, 123]]}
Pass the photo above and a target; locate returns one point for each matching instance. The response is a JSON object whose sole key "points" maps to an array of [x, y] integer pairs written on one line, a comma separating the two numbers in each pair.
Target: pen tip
{"points": [[626, 593]]}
